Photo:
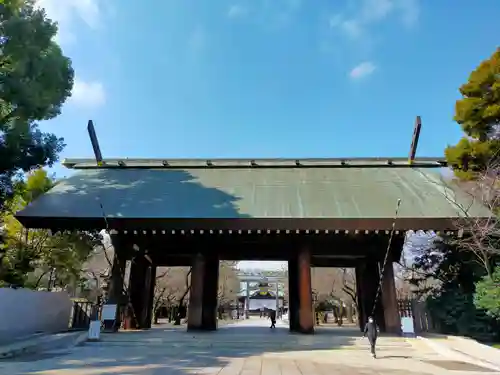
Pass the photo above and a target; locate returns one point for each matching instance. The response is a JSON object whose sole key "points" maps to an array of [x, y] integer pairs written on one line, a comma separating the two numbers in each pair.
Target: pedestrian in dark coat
{"points": [[371, 332], [272, 315]]}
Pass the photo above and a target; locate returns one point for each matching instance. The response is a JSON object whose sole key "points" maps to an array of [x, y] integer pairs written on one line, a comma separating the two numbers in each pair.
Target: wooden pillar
{"points": [[389, 301], [195, 309], [150, 290], [202, 314], [370, 283], [139, 286], [306, 318], [362, 318], [116, 283], [210, 289], [293, 294]]}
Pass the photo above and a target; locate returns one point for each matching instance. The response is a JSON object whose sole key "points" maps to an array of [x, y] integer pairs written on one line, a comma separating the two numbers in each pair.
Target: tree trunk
{"points": [[341, 315], [350, 314], [156, 311], [177, 314], [178, 317]]}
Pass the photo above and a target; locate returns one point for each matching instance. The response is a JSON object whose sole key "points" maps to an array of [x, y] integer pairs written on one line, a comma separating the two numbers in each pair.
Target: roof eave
{"points": [[241, 225], [429, 162]]}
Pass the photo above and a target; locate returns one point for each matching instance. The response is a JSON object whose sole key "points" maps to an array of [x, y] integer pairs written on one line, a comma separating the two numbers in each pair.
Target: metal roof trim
{"points": [[429, 162]]}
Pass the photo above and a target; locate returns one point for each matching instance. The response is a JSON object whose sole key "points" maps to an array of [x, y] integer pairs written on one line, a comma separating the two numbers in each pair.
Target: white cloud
{"points": [[362, 70], [410, 11], [236, 11], [374, 11], [352, 28], [66, 12], [88, 94], [335, 20]]}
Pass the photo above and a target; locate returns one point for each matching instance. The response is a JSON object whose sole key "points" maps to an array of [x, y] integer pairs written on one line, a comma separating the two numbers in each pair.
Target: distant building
{"points": [[261, 298]]}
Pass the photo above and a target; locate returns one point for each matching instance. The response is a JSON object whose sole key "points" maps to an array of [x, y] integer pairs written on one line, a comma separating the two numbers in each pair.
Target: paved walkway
{"points": [[245, 348], [465, 349]]}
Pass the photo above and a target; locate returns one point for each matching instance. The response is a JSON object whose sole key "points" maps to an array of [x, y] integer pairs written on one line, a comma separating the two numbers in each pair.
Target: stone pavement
{"points": [[40, 342], [246, 348], [465, 349]]}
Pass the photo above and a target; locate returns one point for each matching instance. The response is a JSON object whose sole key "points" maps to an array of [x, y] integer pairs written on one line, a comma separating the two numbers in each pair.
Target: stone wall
{"points": [[24, 312]]}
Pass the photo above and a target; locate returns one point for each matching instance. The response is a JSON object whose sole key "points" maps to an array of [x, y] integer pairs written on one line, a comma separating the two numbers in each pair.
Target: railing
{"points": [[81, 314], [422, 320]]}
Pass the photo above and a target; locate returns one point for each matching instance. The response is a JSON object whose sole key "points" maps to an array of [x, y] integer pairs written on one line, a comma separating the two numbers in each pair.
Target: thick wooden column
{"points": [[116, 283], [306, 318], [389, 301], [360, 300], [139, 286], [202, 314], [150, 293], [210, 289], [195, 309], [370, 283], [293, 294]]}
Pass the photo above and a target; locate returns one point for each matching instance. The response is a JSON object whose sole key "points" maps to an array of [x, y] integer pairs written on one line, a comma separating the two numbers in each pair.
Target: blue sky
{"points": [[267, 78]]}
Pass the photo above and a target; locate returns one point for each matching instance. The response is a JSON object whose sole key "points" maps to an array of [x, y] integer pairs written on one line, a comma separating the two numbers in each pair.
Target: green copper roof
{"points": [[263, 192]]}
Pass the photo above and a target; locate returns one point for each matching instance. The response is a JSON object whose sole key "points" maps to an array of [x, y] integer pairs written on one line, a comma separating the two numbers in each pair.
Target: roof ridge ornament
{"points": [[414, 140], [95, 143]]}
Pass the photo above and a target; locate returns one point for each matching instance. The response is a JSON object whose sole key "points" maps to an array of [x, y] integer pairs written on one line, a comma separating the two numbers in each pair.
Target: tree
{"points": [[349, 284], [229, 283], [403, 287], [481, 236], [451, 270], [449, 296], [171, 291], [478, 113], [29, 255], [325, 283], [335, 288], [35, 81], [164, 296], [36, 78], [487, 295]]}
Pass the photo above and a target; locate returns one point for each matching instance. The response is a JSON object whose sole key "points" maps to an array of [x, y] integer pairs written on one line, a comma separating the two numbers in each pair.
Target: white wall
{"points": [[257, 304], [24, 312]]}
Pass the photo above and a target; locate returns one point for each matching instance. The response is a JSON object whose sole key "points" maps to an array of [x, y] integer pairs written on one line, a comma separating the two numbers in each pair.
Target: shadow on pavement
{"points": [[176, 352]]}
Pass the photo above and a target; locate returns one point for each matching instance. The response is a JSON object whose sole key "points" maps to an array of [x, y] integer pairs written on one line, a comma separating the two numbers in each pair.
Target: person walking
{"points": [[371, 331], [272, 315]]}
